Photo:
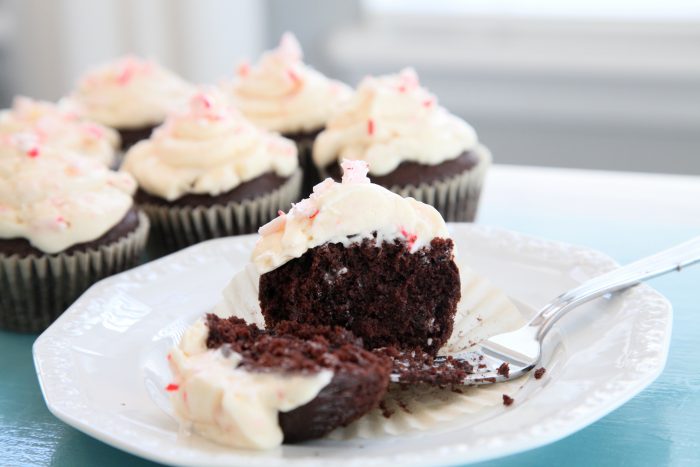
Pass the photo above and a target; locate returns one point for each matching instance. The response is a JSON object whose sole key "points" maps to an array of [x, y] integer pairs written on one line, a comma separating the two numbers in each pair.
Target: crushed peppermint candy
{"points": [[243, 69], [370, 127], [172, 387], [410, 238]]}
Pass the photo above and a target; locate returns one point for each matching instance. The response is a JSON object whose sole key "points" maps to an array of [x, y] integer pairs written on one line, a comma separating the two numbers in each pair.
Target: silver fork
{"points": [[522, 349]]}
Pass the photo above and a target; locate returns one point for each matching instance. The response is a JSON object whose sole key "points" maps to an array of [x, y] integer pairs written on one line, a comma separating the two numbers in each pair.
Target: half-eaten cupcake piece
{"points": [[242, 386]]}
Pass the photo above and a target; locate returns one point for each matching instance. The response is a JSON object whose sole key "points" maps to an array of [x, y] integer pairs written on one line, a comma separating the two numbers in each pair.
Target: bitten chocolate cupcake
{"points": [[208, 172], [131, 95], [282, 94], [413, 146], [66, 221], [61, 128]]}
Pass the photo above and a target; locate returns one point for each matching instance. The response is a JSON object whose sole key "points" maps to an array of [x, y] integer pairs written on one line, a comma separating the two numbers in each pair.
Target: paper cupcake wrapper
{"points": [[180, 226], [456, 198], [483, 311], [37, 289]]}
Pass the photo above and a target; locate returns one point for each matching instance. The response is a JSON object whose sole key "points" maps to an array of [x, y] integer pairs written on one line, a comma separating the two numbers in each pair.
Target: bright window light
{"points": [[646, 10]]}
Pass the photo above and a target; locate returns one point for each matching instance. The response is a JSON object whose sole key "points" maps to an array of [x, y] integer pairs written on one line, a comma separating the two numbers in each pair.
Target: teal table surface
{"points": [[624, 215]]}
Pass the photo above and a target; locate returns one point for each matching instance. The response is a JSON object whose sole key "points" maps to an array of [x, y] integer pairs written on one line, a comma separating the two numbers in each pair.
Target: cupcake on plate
{"points": [[359, 256], [208, 172], [413, 146], [66, 221], [131, 95], [282, 94], [57, 126], [289, 383]]}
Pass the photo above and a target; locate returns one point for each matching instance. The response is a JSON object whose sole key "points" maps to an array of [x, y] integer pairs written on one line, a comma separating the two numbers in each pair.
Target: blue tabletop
{"points": [[660, 426]]}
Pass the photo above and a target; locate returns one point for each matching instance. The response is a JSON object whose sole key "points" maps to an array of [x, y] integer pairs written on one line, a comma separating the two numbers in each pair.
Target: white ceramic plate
{"points": [[101, 364]]}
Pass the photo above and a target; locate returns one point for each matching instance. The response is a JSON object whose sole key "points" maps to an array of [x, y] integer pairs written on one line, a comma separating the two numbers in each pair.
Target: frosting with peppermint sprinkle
{"points": [[129, 93], [283, 94], [56, 199], [208, 148], [58, 126], [390, 120], [346, 213]]}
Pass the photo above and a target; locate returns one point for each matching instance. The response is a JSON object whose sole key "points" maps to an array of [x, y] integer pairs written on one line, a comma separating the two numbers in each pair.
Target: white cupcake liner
{"points": [[180, 226], [456, 198], [37, 289], [483, 311]]}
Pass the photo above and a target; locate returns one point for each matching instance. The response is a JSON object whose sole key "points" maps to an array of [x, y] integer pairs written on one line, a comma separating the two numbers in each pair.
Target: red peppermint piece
{"points": [[428, 103], [410, 237], [370, 127], [172, 387], [243, 69], [293, 75], [33, 152], [314, 214]]}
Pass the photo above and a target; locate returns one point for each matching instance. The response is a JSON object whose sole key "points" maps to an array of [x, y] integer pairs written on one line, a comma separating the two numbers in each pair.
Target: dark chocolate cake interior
{"points": [[384, 294]]}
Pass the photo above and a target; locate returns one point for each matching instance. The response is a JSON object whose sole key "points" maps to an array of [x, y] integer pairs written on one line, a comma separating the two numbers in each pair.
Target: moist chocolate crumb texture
{"points": [[131, 95], [61, 127], [358, 256], [245, 387]]}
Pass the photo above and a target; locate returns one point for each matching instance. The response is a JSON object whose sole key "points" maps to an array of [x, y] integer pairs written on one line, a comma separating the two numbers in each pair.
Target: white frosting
{"points": [[282, 94], [230, 405], [392, 119], [207, 149], [346, 213], [56, 126], [130, 93], [57, 199]]}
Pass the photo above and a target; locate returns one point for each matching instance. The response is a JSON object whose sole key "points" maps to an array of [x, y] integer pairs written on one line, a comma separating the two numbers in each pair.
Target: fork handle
{"points": [[672, 259]]}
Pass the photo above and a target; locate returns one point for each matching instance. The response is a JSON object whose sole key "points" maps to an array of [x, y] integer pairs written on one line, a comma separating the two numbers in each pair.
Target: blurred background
{"points": [[605, 84]]}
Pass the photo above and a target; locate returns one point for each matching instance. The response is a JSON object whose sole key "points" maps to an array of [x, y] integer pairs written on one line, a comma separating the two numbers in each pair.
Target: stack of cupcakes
{"points": [[66, 221], [282, 94], [413, 146]]}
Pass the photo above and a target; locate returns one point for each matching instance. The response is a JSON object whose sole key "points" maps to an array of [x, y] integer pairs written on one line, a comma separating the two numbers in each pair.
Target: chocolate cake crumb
{"points": [[404, 407], [507, 400], [386, 411], [504, 369], [539, 373], [416, 366], [386, 294]]}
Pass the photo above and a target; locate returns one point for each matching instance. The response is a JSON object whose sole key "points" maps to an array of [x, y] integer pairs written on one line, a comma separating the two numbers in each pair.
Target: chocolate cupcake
{"points": [[413, 146], [131, 95], [358, 256], [57, 126], [208, 172], [66, 221], [280, 93], [242, 386]]}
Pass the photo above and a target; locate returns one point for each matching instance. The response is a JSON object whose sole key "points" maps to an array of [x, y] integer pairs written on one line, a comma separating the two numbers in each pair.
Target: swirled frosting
{"points": [[207, 149], [230, 405], [57, 199], [56, 126], [346, 213], [282, 94], [130, 93], [392, 119]]}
